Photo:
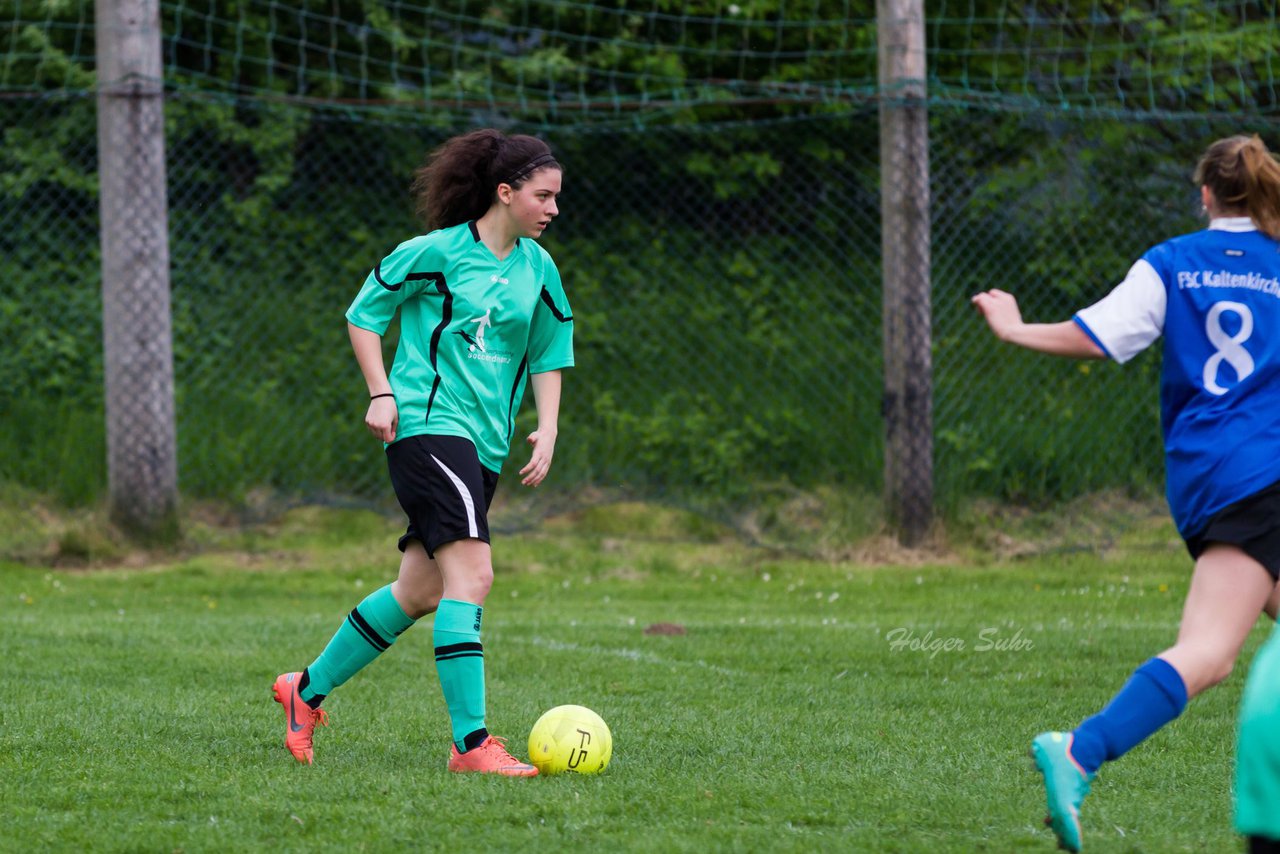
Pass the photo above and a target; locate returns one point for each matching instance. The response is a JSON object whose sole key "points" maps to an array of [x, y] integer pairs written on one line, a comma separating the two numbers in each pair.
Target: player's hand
{"points": [[1001, 312], [544, 448], [383, 418]]}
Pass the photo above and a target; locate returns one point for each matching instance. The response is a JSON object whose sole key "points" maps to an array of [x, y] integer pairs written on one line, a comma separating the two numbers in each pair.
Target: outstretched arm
{"points": [[1001, 312], [546, 398]]}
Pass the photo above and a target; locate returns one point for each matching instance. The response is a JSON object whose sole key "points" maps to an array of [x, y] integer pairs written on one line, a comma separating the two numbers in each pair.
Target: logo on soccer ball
{"points": [[570, 739]]}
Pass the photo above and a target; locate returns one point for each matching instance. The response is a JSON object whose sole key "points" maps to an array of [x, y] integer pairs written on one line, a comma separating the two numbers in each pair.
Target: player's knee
{"points": [[424, 604], [467, 570], [481, 581], [418, 600], [470, 586]]}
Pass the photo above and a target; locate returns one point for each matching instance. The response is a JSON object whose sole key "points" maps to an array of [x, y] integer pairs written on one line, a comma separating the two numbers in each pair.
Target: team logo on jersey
{"points": [[477, 347], [476, 342]]}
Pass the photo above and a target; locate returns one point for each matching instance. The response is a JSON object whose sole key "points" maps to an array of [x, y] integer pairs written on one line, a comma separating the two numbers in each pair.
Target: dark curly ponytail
{"points": [[459, 179]]}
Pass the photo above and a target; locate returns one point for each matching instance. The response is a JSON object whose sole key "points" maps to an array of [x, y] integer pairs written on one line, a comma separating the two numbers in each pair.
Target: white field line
{"points": [[628, 654]]}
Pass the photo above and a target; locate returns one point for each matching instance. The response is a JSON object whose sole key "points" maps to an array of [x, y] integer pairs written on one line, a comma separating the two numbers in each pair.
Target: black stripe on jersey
{"points": [[511, 401], [475, 232], [446, 315], [367, 631], [472, 649], [377, 274], [412, 277], [546, 297]]}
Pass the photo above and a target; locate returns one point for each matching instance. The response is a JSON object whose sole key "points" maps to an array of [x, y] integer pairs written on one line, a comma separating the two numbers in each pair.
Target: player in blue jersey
{"points": [[1214, 296], [482, 312]]}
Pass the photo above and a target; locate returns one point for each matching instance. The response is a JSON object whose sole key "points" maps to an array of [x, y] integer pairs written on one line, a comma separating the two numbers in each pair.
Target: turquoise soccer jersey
{"points": [[472, 329], [1258, 743]]}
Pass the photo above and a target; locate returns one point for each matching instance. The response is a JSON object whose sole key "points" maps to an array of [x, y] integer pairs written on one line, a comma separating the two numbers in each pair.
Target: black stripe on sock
{"points": [[471, 649], [373, 633], [366, 631], [474, 739], [360, 632], [449, 649]]}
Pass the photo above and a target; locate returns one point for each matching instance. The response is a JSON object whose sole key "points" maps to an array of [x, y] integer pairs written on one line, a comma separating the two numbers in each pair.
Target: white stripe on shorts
{"points": [[465, 494]]}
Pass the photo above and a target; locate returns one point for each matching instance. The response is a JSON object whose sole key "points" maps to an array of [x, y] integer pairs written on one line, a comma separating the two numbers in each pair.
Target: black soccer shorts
{"points": [[443, 488], [1252, 524]]}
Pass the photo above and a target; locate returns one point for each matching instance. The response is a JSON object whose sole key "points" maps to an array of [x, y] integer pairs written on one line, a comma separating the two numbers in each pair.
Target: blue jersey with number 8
{"points": [[1215, 296]]}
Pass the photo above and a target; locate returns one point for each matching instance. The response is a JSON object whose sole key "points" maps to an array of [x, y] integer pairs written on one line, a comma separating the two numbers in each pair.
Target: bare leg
{"points": [[1228, 592], [467, 570], [419, 586], [1273, 602]]}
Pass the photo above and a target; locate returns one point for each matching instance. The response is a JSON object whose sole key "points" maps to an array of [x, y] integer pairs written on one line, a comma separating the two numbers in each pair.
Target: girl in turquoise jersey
{"points": [[482, 313]]}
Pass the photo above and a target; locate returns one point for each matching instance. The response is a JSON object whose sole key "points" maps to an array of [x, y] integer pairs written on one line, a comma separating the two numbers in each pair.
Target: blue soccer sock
{"points": [[460, 663], [369, 630], [1152, 697]]}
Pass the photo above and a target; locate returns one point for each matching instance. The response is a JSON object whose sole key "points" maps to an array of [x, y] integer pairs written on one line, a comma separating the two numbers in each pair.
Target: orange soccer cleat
{"points": [[491, 757], [300, 719]]}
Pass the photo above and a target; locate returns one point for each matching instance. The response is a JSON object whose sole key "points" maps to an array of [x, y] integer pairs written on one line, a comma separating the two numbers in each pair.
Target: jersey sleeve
{"points": [[395, 279], [551, 328], [1126, 321]]}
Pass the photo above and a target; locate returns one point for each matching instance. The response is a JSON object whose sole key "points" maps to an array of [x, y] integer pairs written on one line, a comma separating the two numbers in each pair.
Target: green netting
{"points": [[552, 62]]}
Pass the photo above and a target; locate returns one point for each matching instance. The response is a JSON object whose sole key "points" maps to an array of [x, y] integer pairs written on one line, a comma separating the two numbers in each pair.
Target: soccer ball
{"points": [[570, 739]]}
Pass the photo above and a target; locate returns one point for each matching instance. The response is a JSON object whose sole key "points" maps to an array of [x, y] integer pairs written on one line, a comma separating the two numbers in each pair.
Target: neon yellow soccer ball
{"points": [[570, 739]]}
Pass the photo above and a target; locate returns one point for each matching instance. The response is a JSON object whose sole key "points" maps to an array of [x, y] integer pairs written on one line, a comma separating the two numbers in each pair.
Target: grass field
{"points": [[809, 706]]}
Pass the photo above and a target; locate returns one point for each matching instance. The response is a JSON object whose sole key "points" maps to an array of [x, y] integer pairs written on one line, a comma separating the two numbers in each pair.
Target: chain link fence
{"points": [[725, 281], [51, 421]]}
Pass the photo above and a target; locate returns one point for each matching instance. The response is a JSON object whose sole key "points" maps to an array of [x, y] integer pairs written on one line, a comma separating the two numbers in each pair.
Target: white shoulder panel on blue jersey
{"points": [[1131, 317]]}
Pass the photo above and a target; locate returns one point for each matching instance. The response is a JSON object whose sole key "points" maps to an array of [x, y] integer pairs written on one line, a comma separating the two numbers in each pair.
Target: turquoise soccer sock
{"points": [[460, 663], [369, 630]]}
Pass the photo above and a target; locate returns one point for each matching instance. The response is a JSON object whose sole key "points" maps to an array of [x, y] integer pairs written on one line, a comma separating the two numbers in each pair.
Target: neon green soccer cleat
{"points": [[1065, 785]]}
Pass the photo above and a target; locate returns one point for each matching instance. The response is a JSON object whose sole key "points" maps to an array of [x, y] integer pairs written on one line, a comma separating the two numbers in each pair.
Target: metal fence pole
{"points": [[137, 334], [904, 209]]}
